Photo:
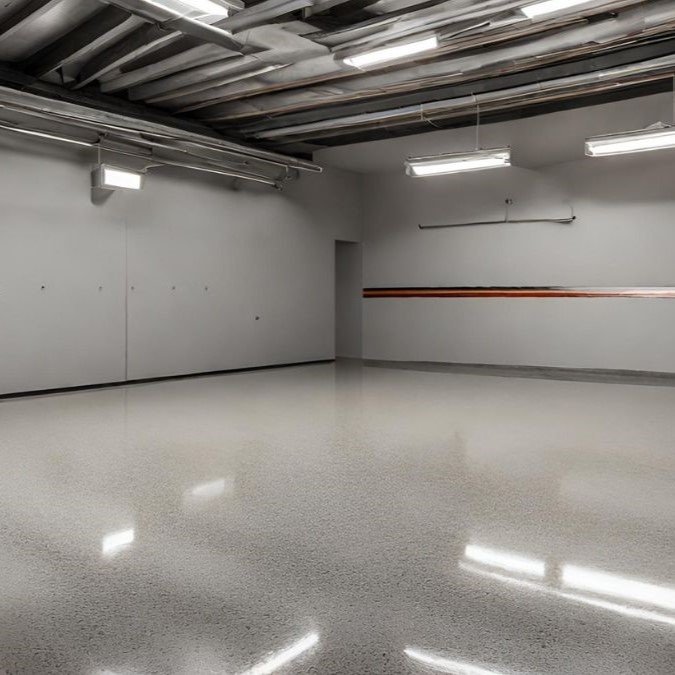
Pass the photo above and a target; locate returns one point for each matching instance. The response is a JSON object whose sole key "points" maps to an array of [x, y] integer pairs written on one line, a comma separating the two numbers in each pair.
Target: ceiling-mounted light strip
{"points": [[551, 7], [645, 140], [44, 134], [106, 177], [376, 56], [477, 160], [207, 7]]}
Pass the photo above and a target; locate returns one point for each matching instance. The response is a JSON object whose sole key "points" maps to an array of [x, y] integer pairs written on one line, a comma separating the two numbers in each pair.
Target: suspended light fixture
{"points": [[106, 177], [551, 7], [458, 162], [376, 56], [658, 137]]}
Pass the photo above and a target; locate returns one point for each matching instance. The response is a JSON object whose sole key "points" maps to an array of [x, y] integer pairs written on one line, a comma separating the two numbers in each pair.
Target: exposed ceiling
{"points": [[272, 74]]}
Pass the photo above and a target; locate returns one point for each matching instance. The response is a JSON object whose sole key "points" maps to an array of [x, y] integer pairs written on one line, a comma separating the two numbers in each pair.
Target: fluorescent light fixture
{"points": [[602, 583], [285, 656], [108, 177], [207, 7], [505, 560], [459, 162], [117, 541], [444, 665], [44, 134], [645, 140], [550, 7], [385, 54]]}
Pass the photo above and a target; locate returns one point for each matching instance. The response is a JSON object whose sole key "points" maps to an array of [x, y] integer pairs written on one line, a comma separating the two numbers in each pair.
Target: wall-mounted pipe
{"points": [[156, 161], [131, 128]]}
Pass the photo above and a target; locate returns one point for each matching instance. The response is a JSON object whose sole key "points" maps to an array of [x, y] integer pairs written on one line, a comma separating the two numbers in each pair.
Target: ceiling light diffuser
{"points": [[376, 56], [207, 7], [551, 7], [477, 160], [645, 140], [108, 177]]}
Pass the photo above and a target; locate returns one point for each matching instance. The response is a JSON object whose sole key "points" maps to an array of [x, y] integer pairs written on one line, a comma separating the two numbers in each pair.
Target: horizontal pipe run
{"points": [[562, 221], [221, 171], [624, 75], [100, 121], [524, 292]]}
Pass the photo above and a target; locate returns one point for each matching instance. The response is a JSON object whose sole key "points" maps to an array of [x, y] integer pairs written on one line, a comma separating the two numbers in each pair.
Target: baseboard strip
{"points": [[150, 380]]}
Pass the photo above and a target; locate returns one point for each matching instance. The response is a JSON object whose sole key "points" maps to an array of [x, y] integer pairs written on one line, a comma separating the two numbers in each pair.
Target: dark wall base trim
{"points": [[521, 292], [602, 375], [150, 380]]}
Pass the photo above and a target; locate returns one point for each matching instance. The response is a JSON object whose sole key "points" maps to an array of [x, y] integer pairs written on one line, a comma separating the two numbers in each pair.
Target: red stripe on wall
{"points": [[507, 292]]}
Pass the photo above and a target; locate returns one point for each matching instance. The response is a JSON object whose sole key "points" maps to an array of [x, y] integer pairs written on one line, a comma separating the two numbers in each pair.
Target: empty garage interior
{"points": [[337, 337]]}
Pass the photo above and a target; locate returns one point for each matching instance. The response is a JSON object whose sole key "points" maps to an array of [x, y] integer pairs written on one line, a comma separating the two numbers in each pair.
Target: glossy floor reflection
{"points": [[339, 520]]}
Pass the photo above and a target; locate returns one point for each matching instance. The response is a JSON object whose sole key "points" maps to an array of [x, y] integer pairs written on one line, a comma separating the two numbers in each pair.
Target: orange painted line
{"points": [[519, 292]]}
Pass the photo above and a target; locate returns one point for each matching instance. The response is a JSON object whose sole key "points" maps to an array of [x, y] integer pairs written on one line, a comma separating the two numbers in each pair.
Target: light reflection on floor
{"points": [[339, 520]]}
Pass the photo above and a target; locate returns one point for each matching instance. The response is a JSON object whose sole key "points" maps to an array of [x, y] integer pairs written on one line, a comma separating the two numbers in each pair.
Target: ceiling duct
{"points": [[609, 78]]}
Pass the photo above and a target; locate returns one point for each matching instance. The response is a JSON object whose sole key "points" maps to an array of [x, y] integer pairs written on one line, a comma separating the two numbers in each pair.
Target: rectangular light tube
{"points": [[109, 177], [645, 140], [477, 160], [505, 560], [207, 7], [550, 7], [392, 53]]}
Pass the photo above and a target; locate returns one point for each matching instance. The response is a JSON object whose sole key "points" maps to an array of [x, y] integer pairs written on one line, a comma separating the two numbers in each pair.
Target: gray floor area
{"points": [[339, 519]]}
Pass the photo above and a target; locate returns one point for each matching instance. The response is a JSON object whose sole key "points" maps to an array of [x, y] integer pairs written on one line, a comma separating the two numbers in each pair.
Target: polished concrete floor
{"points": [[339, 520]]}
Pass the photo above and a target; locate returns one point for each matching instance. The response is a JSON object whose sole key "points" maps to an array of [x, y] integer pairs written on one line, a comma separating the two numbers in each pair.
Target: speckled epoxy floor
{"points": [[339, 520]]}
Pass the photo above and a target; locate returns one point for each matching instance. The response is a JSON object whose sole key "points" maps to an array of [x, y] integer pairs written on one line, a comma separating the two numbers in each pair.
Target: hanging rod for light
{"points": [[507, 220]]}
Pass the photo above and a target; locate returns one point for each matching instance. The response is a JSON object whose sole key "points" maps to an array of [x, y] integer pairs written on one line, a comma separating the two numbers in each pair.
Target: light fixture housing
{"points": [[207, 7], [659, 137], [458, 162], [106, 177], [391, 53], [538, 9]]}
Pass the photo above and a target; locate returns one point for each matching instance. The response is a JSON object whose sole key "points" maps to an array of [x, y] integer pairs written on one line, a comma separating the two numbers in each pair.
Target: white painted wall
{"points": [[624, 236], [260, 253], [348, 294]]}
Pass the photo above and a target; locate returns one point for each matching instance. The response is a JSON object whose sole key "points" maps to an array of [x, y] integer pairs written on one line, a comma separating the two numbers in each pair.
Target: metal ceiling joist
{"points": [[85, 39], [201, 55], [653, 19], [194, 77], [73, 114], [275, 69], [414, 105], [141, 41], [173, 21], [528, 94], [262, 13], [28, 12]]}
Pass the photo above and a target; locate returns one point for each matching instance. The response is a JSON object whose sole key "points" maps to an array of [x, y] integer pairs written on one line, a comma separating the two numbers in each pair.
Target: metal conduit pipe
{"points": [[97, 120], [653, 18], [155, 161], [664, 66]]}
